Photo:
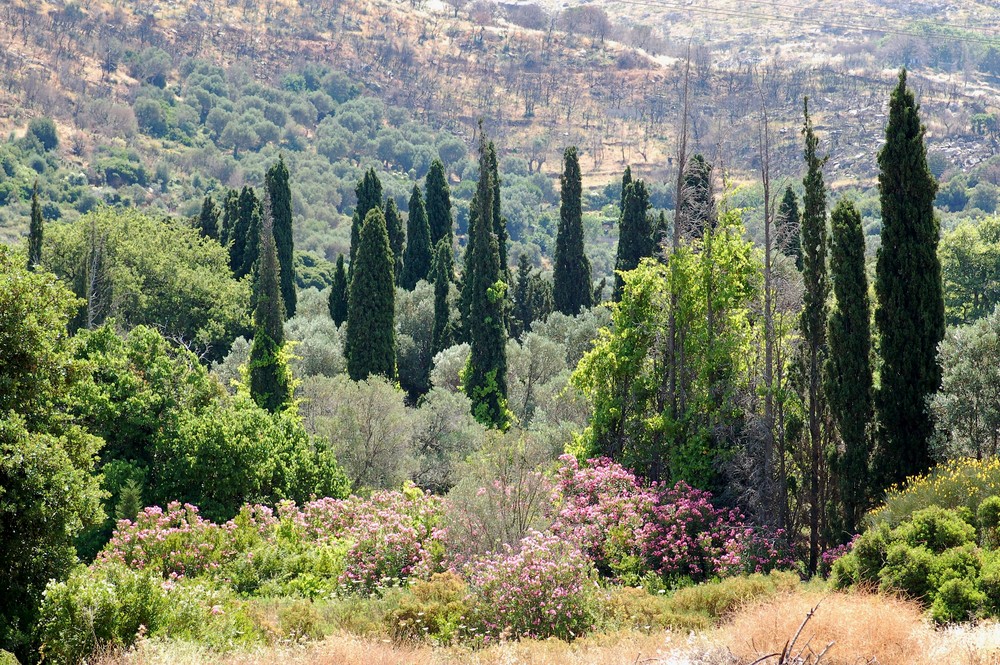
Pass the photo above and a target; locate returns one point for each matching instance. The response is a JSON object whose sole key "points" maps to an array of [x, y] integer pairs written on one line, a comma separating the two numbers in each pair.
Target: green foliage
{"points": [[970, 270], [697, 202], [790, 240], [394, 227], [443, 273], [417, 260], [280, 196], [369, 196], [957, 600], [371, 343], [910, 311], [270, 381], [43, 130], [438, 197], [572, 289], [208, 220], [533, 298], [339, 294], [35, 230], [434, 609], [635, 234], [961, 485]]}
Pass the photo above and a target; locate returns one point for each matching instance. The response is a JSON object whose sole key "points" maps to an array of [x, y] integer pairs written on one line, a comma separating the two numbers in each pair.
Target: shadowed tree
{"points": [[280, 196], [369, 195], [270, 381], [208, 220], [35, 231], [417, 261], [788, 220], [394, 227], [371, 333], [438, 203], [443, 273], [572, 289], [635, 233], [338, 293]]}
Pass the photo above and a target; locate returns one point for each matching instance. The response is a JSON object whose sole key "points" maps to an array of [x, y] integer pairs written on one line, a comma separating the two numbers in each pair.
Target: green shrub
{"points": [[717, 599], [937, 529], [957, 600], [988, 517], [300, 621], [434, 609], [957, 563], [7, 658], [908, 569], [631, 607], [989, 582], [870, 552], [962, 483]]}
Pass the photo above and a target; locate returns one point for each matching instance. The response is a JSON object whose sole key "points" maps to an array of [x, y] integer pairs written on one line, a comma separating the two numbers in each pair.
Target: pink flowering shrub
{"points": [[544, 588]]}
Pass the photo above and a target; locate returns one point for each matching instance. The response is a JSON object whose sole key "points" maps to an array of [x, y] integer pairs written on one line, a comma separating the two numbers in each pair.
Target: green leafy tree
{"points": [[369, 196], [35, 230], [270, 381], [848, 381], [280, 196], [635, 232], [438, 198], [208, 219], [371, 334], [970, 270], [417, 262], [338, 293], [443, 272], [572, 289], [910, 311], [485, 375], [44, 131], [394, 226], [788, 227]]}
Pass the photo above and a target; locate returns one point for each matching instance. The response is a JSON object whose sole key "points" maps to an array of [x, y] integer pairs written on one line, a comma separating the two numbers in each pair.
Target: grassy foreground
{"points": [[857, 627]]}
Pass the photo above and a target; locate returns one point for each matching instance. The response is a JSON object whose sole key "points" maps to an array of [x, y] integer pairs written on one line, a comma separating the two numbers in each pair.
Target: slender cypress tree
{"points": [[270, 384], [626, 181], [485, 377], [230, 217], [280, 196], [635, 233], [245, 234], [371, 332], [443, 271], [417, 261], [208, 220], [522, 298], [394, 227], [572, 289], [697, 199], [499, 221], [438, 204], [910, 312], [338, 293], [35, 230], [848, 380], [369, 194], [254, 231], [788, 219], [814, 316]]}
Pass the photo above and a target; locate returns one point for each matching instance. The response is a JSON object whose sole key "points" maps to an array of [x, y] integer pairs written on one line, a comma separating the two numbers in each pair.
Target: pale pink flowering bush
{"points": [[544, 588]]}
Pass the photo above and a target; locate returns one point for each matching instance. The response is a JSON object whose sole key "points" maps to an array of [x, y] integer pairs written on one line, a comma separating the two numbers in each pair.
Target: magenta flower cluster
{"points": [[630, 529]]}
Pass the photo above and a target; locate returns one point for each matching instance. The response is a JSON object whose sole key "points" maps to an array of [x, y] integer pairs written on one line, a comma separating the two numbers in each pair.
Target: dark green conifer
{"points": [[910, 311], [245, 234], [270, 382], [369, 195], [697, 199], [208, 220], [635, 233], [848, 379], [338, 293], [485, 376], [418, 258], [438, 203], [443, 272], [280, 196], [230, 217], [394, 226], [522, 298], [626, 181], [572, 289], [371, 333], [499, 221], [35, 231], [788, 224]]}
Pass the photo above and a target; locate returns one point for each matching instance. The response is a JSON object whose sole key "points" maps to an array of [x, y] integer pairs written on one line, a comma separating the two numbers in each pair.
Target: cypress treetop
{"points": [[572, 288], [417, 260], [814, 241], [280, 196], [910, 311], [443, 272], [697, 199], [35, 231], [371, 333], [208, 220], [635, 233], [438, 204], [788, 227], [270, 383], [338, 293], [394, 226], [499, 222], [369, 195], [626, 181]]}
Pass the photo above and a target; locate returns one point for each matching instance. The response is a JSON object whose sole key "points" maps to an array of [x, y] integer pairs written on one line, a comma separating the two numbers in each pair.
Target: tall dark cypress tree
{"points": [[522, 318], [338, 293], [443, 272], [499, 222], [485, 376], [438, 198], [280, 195], [230, 217], [208, 220], [635, 233], [848, 380], [254, 231], [788, 220], [394, 227], [270, 383], [369, 194], [35, 230], [626, 181], [697, 199], [910, 311], [371, 332], [814, 318], [417, 260], [245, 234], [572, 289]]}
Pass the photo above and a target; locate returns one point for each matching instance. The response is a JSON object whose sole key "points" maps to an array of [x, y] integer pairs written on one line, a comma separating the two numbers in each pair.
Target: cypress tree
{"points": [[417, 262], [369, 195], [280, 196], [522, 298], [208, 220], [910, 312], [814, 315], [697, 200], [848, 380], [485, 376], [230, 215], [394, 227], [788, 218], [338, 293], [254, 231], [438, 204], [626, 181], [245, 233], [270, 384], [443, 271], [635, 232], [499, 221], [35, 230], [572, 290], [371, 332]]}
